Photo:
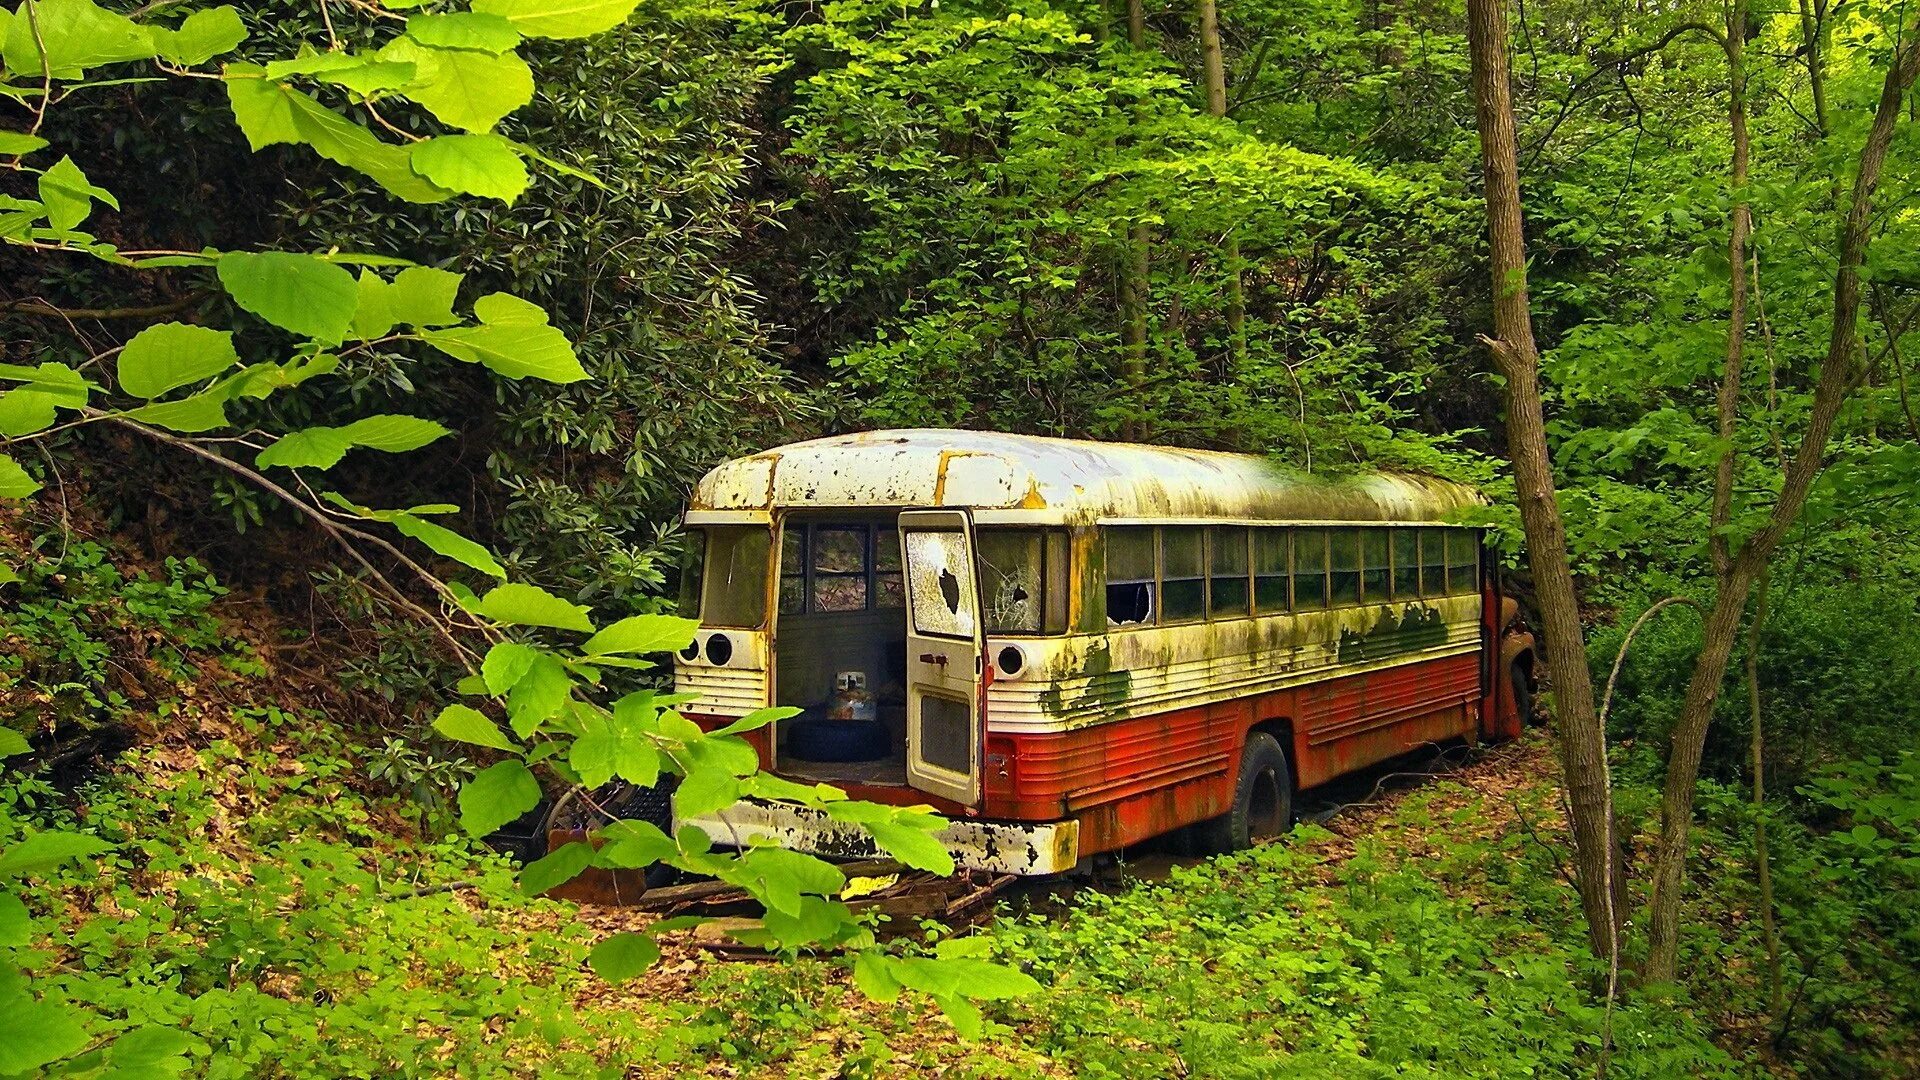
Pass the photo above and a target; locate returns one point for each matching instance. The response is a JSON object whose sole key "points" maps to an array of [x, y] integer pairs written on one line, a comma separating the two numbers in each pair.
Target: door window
{"points": [[940, 583]]}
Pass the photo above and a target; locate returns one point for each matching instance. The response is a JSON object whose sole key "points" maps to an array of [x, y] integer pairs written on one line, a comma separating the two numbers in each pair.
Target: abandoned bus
{"points": [[1068, 647]]}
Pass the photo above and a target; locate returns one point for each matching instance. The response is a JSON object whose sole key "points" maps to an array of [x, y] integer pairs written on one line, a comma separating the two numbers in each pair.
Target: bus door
{"points": [[944, 650]]}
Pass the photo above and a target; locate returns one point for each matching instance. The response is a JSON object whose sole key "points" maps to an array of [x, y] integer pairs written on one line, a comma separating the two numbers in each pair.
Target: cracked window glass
{"points": [[1129, 557], [940, 585]]}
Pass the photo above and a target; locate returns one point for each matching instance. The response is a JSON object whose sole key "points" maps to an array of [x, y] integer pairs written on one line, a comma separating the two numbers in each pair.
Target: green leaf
{"points": [[559, 18], [271, 112], [323, 447], [484, 165], [77, 35], [205, 34], [19, 142], [309, 296], [12, 743], [913, 846], [622, 956], [44, 851], [366, 76], [642, 634], [556, 868], [68, 196], [539, 695], [147, 1052], [520, 604], [497, 795], [423, 296], [171, 355], [614, 746], [464, 30], [632, 844], [506, 309], [461, 87], [36, 1033], [873, 975], [262, 108], [14, 481], [16, 925], [515, 350], [452, 545], [758, 719], [23, 412], [704, 791], [463, 724], [204, 411], [506, 664]]}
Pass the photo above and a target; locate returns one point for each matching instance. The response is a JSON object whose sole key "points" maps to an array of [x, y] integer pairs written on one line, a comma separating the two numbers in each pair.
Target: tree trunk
{"points": [[1583, 743], [1727, 405], [1214, 71], [1840, 373]]}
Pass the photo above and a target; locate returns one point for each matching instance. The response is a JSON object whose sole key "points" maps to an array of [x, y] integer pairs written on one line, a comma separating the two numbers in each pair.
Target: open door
{"points": [[943, 654]]}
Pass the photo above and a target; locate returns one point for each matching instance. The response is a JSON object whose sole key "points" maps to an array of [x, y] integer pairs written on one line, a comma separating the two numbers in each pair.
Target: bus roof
{"points": [[1038, 480]]}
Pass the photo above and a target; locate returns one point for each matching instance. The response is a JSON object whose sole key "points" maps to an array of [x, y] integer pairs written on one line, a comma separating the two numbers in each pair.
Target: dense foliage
{"points": [[287, 288]]}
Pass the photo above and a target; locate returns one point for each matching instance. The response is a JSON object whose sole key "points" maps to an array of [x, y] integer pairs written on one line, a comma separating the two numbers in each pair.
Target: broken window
{"points": [[1227, 572], [1183, 574], [1129, 565], [1023, 580], [940, 582], [731, 577]]}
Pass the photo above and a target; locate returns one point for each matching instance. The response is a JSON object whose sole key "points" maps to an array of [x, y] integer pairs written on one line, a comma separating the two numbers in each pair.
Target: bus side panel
{"points": [[1345, 724]]}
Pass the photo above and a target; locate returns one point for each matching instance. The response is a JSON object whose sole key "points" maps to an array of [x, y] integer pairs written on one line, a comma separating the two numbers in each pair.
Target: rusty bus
{"points": [[1068, 647]]}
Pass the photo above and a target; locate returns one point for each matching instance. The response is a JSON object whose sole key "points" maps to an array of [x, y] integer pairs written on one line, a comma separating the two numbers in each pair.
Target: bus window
{"points": [[1270, 570], [889, 593], [1377, 574], [1183, 574], [1227, 572], [1433, 562], [692, 561], [1406, 564], [1023, 575], [793, 570], [1129, 565], [1309, 568], [733, 576], [839, 569], [1343, 557], [1463, 561]]}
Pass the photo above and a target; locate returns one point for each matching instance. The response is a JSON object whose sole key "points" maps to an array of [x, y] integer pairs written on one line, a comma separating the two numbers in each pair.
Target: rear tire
{"points": [[1262, 799], [1522, 693]]}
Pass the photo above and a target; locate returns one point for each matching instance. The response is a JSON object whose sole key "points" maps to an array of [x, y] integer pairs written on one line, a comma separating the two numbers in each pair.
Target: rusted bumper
{"points": [[1006, 847]]}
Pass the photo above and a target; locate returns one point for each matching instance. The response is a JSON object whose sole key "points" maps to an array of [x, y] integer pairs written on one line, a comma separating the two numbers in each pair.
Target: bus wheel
{"points": [[1522, 693], [1262, 800]]}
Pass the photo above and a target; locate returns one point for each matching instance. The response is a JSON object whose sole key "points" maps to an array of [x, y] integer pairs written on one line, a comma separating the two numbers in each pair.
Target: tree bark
{"points": [[1727, 405], [1840, 373], [1214, 72], [1583, 742]]}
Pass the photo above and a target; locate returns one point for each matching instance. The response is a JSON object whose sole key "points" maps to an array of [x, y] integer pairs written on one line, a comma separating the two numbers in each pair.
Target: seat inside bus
{"points": [[842, 611]]}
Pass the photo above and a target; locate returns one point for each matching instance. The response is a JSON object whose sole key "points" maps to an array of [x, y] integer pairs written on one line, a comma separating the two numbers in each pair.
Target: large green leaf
{"points": [[461, 87], [365, 75], [68, 195], [301, 293], [496, 795], [614, 746], [19, 142], [205, 34], [323, 447], [14, 481], [50, 850], [77, 35], [484, 165], [462, 723], [263, 108], [148, 1052], [559, 18], [16, 924], [445, 541], [204, 411], [520, 604], [622, 956], [517, 350], [12, 743], [270, 112], [556, 868], [171, 355], [643, 634], [24, 411], [423, 296], [464, 30], [36, 1033]]}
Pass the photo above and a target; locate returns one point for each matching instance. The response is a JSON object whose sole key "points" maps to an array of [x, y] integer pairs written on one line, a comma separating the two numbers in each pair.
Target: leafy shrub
{"points": [[1839, 680]]}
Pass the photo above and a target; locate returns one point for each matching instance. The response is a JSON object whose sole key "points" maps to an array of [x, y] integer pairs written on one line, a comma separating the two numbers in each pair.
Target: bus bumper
{"points": [[1004, 847]]}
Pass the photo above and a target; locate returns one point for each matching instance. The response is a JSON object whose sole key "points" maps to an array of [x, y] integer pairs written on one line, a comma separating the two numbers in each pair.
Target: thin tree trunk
{"points": [[1583, 743], [1214, 71], [1727, 406], [1757, 746], [1840, 374], [1134, 271]]}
